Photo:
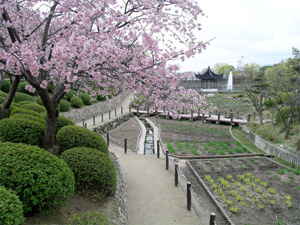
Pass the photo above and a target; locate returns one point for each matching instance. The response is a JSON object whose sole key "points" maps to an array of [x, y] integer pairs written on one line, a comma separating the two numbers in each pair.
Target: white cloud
{"points": [[263, 31]]}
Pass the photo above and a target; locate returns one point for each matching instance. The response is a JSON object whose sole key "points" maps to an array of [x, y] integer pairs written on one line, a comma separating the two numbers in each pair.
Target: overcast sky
{"points": [[262, 31]]}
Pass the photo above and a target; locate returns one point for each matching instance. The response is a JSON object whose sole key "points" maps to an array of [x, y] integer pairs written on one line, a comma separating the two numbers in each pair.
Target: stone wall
{"points": [[269, 148], [93, 110], [120, 206]]}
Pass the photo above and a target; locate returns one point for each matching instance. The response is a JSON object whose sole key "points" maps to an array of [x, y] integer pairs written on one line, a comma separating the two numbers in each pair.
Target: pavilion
{"points": [[208, 79]]}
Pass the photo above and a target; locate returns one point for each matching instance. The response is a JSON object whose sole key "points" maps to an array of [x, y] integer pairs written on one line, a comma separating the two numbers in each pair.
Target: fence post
{"points": [[209, 114], [212, 219], [125, 146], [122, 110], [82, 122], [102, 117], [203, 117], [109, 114], [167, 160], [115, 111], [138, 111], [147, 111], [189, 196], [158, 149], [168, 115], [192, 115], [219, 114], [231, 119], [176, 174], [156, 113], [198, 114], [238, 114], [94, 120], [254, 115], [85, 125], [225, 113], [107, 138], [248, 118], [130, 107]]}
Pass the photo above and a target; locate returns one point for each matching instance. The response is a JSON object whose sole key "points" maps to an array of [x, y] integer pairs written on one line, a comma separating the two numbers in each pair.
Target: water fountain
{"points": [[230, 82]]}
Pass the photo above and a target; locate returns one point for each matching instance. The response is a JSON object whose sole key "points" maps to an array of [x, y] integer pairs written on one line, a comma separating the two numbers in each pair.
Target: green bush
{"points": [[63, 121], [283, 97], [5, 86], [269, 103], [285, 112], [3, 94], [101, 98], [25, 111], [64, 106], [76, 102], [71, 94], [11, 207], [39, 119], [12, 107], [25, 102], [90, 218], [93, 170], [40, 179], [22, 89], [268, 132], [22, 97], [2, 99], [35, 107], [21, 130], [74, 136], [86, 99], [39, 101]]}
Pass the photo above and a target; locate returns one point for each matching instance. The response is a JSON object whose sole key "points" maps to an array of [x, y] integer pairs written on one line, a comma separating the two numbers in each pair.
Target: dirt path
{"points": [[152, 196]]}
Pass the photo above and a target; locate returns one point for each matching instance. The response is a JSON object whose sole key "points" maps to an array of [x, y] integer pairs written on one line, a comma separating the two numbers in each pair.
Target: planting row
{"points": [[207, 148]]}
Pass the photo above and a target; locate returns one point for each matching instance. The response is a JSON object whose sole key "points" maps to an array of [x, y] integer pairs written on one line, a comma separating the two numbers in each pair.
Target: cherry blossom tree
{"points": [[81, 44]]}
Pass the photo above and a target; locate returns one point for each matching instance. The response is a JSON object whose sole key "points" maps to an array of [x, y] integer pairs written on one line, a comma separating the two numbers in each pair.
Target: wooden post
{"points": [[219, 115], [107, 138], [147, 111], [189, 196], [254, 115], [85, 125], [209, 114], [122, 110], [198, 114], [248, 118], [82, 122], [125, 146], [102, 117], [225, 113], [167, 160], [130, 107], [230, 111], [212, 219], [138, 111], [231, 119], [109, 114], [94, 120], [176, 174], [156, 113], [168, 117], [192, 115], [238, 114], [216, 112], [203, 118], [115, 111], [158, 149]]}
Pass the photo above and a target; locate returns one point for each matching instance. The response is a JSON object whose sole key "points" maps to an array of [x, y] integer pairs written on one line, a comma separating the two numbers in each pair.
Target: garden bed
{"points": [[252, 190]]}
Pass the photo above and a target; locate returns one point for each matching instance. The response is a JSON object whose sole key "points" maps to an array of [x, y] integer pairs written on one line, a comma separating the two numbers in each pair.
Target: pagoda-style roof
{"points": [[208, 75]]}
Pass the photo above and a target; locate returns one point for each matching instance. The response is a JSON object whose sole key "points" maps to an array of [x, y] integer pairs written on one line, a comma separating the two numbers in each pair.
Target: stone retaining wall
{"points": [[269, 148], [93, 110], [120, 206]]}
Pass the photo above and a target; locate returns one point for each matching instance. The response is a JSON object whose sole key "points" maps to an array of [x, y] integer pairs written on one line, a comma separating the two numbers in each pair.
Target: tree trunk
{"points": [[289, 123], [10, 97], [50, 130], [1, 78]]}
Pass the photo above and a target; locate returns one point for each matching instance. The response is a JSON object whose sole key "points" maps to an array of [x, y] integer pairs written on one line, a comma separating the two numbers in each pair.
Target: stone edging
{"points": [[120, 205]]}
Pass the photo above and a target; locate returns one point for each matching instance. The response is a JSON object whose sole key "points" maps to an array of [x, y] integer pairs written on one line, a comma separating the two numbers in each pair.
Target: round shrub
{"points": [[35, 107], [22, 89], [71, 94], [64, 106], [269, 103], [285, 112], [101, 98], [63, 121], [74, 136], [39, 119], [25, 102], [12, 106], [86, 99], [40, 179], [5, 86], [91, 218], [11, 207], [76, 102], [2, 99], [93, 170], [39, 101], [21, 130], [23, 97], [3, 94], [25, 111]]}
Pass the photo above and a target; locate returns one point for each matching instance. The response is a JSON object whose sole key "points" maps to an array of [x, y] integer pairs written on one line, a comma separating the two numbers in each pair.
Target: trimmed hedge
{"points": [[13, 106], [40, 179], [2, 99], [39, 119], [74, 136], [3, 94], [90, 218], [71, 94], [86, 99], [76, 102], [35, 107], [93, 170], [39, 101], [11, 207], [64, 106], [5, 86], [63, 121], [22, 97], [25, 111], [21, 130], [22, 89]]}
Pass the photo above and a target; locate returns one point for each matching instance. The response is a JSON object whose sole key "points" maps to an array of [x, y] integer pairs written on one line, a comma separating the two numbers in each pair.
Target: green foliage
{"points": [[21, 130], [64, 106], [22, 89], [93, 170], [22, 97], [269, 103], [267, 131], [285, 112], [90, 218], [63, 121], [2, 99], [25, 111], [71, 94], [76, 102], [74, 136], [3, 94], [86, 99], [39, 101], [101, 98], [11, 207], [29, 117], [5, 86], [283, 97], [40, 179], [12, 106], [35, 107]]}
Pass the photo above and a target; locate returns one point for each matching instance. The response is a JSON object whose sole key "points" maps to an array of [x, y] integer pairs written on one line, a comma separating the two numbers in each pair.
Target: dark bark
{"points": [[10, 97], [288, 127]]}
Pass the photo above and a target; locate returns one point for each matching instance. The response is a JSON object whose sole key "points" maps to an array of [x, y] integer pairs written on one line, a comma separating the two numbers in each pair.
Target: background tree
{"points": [[109, 44], [225, 68]]}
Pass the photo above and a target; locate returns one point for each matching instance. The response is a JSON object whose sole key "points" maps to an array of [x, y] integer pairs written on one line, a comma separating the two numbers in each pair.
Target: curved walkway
{"points": [[152, 196]]}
